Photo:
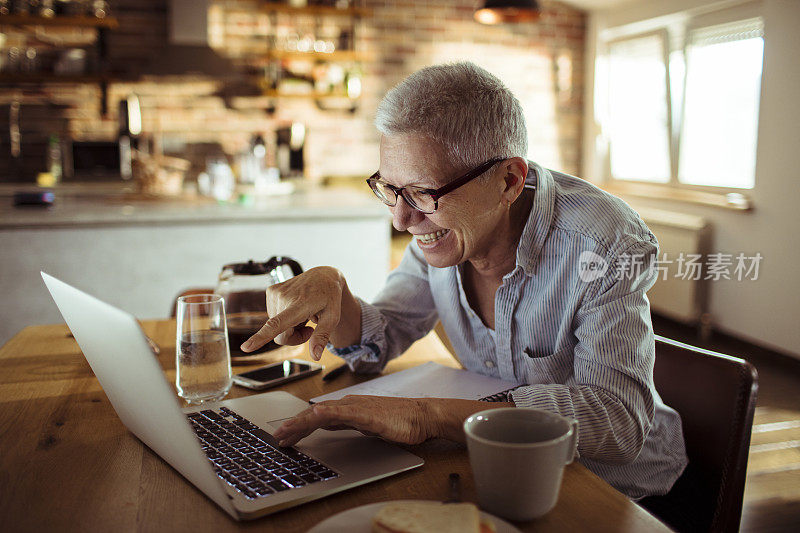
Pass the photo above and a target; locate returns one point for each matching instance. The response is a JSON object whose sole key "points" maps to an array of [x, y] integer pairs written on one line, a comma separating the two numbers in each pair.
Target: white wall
{"points": [[766, 311]]}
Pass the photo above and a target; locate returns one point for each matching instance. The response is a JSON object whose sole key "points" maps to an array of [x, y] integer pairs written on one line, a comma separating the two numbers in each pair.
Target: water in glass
{"points": [[203, 364]]}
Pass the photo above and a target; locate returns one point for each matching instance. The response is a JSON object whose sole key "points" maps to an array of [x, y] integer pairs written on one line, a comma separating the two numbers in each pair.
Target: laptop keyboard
{"points": [[249, 459]]}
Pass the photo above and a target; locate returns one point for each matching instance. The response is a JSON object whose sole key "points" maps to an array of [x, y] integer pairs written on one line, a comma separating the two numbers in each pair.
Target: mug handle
{"points": [[573, 442]]}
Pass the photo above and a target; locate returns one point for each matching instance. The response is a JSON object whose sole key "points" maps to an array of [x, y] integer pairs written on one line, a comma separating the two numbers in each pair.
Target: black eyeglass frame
{"points": [[434, 193]]}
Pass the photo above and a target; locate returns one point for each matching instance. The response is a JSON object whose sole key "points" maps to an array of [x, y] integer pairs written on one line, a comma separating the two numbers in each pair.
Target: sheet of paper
{"points": [[430, 380]]}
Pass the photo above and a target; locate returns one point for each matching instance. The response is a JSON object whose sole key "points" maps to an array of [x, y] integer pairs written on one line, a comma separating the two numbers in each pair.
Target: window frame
{"points": [[677, 32]]}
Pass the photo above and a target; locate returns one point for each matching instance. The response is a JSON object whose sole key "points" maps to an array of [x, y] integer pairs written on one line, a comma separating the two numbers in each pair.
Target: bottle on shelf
{"points": [[352, 82], [54, 166], [46, 8], [100, 9]]}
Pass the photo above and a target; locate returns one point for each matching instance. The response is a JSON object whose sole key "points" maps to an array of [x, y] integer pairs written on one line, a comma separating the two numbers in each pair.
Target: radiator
{"points": [[680, 293]]}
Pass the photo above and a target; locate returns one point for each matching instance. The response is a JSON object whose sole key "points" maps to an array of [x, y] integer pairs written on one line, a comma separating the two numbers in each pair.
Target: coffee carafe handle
{"points": [[277, 261]]}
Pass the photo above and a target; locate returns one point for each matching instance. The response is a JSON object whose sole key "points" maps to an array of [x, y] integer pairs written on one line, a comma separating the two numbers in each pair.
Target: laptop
{"points": [[225, 448]]}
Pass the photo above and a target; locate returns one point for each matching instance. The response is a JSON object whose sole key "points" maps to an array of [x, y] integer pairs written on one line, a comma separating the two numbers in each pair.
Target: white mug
{"points": [[518, 456]]}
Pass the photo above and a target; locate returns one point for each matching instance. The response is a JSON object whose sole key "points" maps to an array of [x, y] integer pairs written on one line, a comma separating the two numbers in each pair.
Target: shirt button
{"points": [[489, 364]]}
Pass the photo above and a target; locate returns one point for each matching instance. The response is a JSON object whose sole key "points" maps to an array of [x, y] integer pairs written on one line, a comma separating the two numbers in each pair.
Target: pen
{"points": [[339, 370]]}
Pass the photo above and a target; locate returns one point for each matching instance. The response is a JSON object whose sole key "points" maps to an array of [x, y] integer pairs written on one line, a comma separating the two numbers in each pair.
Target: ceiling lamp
{"points": [[498, 11]]}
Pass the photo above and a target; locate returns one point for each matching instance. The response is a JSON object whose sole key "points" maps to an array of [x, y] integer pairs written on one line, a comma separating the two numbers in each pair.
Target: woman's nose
{"points": [[403, 215]]}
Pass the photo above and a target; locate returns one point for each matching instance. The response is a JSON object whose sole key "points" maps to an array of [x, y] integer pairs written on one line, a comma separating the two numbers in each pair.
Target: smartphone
{"points": [[276, 374]]}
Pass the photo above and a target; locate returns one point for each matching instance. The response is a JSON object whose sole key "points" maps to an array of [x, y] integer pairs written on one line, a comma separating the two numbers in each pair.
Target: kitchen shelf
{"points": [[268, 94], [102, 80], [71, 21], [278, 62], [323, 100], [101, 25], [271, 7], [314, 95], [52, 78], [338, 55]]}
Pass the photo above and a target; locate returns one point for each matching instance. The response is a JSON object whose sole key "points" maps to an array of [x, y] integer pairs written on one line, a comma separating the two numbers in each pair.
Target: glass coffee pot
{"points": [[242, 285]]}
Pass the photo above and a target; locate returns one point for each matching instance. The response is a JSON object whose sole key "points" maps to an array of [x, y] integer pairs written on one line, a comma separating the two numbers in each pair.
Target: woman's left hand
{"points": [[403, 420]]}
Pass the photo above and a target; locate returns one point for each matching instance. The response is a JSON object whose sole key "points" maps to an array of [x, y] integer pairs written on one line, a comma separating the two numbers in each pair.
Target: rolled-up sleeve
{"points": [[403, 312], [613, 359]]}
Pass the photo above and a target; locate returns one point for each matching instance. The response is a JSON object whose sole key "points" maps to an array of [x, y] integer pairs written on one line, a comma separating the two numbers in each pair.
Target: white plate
{"points": [[359, 520]]}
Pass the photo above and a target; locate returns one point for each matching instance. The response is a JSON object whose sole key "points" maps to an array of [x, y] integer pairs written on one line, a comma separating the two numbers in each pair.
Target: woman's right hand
{"points": [[318, 295]]}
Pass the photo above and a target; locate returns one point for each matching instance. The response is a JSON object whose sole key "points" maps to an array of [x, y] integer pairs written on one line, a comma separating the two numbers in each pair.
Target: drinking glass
{"points": [[203, 360]]}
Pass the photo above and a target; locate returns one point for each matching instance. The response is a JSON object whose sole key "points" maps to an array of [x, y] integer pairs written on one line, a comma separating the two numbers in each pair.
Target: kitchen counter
{"points": [[106, 207], [138, 253]]}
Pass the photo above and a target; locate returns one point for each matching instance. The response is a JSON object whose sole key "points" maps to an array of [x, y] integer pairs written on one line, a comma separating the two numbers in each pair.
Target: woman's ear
{"points": [[515, 170]]}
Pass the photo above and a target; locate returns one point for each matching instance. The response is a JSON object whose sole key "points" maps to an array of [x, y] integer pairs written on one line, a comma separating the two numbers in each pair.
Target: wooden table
{"points": [[68, 464]]}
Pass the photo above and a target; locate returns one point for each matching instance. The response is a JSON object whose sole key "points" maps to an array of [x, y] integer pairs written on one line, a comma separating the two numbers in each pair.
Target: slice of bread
{"points": [[427, 517]]}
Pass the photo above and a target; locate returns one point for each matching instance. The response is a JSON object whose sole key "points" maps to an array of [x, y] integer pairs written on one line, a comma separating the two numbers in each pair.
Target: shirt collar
{"points": [[539, 220]]}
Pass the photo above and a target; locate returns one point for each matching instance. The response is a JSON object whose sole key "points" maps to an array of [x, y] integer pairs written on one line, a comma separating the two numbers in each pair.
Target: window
{"points": [[723, 86], [681, 104], [637, 109]]}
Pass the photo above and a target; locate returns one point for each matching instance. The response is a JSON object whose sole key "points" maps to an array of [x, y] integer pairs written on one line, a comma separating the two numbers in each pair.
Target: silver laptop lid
{"points": [[117, 350]]}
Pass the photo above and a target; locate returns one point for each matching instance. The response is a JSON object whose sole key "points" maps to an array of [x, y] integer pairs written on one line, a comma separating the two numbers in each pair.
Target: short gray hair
{"points": [[469, 111]]}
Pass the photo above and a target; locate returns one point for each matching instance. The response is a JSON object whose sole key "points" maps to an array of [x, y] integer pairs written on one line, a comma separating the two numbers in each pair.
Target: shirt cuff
{"points": [[368, 353]]}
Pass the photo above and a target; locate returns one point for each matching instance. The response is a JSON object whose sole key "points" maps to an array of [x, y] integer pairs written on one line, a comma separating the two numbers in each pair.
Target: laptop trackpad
{"points": [[268, 409]]}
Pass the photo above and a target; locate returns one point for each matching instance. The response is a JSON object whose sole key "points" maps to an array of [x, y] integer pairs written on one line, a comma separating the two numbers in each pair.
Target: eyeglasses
{"points": [[421, 199]]}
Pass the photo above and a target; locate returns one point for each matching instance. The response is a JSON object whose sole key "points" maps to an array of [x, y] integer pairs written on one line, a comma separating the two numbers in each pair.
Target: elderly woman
{"points": [[499, 255]]}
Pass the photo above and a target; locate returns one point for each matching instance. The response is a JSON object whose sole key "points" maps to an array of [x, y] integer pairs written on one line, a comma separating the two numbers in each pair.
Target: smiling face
{"points": [[464, 226]]}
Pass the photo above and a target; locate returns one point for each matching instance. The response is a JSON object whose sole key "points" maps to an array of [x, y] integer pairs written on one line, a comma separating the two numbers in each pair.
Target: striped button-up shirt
{"points": [[572, 324]]}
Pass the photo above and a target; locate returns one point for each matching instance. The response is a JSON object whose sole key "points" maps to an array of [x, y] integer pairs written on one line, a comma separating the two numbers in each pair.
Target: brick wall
{"points": [[541, 62]]}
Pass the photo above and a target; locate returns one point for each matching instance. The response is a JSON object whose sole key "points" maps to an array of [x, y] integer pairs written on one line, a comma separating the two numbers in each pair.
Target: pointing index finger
{"points": [[274, 326]]}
